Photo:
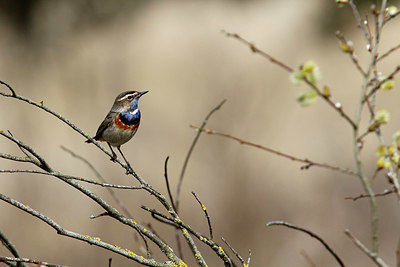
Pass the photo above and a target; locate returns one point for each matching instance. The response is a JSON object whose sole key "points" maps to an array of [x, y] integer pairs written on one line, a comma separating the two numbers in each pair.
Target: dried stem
{"points": [[386, 192], [167, 183], [388, 52], [309, 163], [256, 50], [311, 234], [178, 191], [206, 214], [361, 246]]}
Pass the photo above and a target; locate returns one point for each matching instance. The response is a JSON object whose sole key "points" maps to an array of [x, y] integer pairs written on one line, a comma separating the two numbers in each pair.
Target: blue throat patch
{"points": [[130, 118]]}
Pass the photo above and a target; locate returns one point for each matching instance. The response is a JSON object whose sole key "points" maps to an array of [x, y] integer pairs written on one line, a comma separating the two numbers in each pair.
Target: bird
{"points": [[121, 123]]}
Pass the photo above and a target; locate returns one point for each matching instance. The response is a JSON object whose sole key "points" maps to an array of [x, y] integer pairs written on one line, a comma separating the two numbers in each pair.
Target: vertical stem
{"points": [[357, 148]]}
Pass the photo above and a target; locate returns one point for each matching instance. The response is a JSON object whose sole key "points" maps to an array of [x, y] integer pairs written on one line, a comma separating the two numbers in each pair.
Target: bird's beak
{"points": [[142, 93]]}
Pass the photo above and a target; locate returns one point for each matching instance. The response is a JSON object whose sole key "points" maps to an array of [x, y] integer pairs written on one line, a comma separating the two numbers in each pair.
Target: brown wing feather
{"points": [[104, 125]]}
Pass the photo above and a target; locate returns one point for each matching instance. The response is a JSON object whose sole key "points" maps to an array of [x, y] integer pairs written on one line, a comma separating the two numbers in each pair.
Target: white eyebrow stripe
{"points": [[123, 98]]}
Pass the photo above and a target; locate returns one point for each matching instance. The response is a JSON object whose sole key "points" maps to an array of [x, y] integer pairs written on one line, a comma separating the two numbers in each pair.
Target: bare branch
{"points": [[234, 252], [256, 50], [101, 178], [38, 161], [9, 88], [7, 243], [308, 162], [388, 52], [186, 229], [91, 240], [309, 233], [360, 21], [178, 191], [167, 183], [60, 175], [22, 260], [369, 253], [253, 48], [386, 192], [40, 105], [206, 214]]}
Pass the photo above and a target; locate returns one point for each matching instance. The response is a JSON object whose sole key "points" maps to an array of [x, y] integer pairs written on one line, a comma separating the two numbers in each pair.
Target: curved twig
{"points": [[311, 234], [178, 191]]}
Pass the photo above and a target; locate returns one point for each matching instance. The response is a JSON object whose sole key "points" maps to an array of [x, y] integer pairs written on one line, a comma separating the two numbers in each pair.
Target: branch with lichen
{"points": [[31, 156]]}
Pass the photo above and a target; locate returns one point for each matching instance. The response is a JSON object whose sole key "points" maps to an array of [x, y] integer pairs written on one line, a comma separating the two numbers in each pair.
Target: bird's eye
{"points": [[130, 97]]}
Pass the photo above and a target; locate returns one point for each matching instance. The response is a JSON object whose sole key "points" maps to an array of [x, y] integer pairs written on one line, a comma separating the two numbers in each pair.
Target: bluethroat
{"points": [[121, 123]]}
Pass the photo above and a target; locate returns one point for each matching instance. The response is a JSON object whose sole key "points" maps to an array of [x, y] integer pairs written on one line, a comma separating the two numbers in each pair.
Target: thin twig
{"points": [[9, 88], [311, 234], [378, 84], [110, 191], [7, 243], [256, 50], [308, 162], [60, 175], [167, 183], [388, 52], [38, 160], [186, 228], [234, 252], [361, 246], [185, 163], [167, 250], [371, 70], [386, 192], [320, 93], [101, 178], [391, 17], [178, 191], [359, 20], [206, 214], [249, 258], [22, 260], [351, 53]]}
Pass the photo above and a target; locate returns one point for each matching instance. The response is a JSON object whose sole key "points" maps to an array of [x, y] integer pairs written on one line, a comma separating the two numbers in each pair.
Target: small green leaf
{"points": [[307, 97]]}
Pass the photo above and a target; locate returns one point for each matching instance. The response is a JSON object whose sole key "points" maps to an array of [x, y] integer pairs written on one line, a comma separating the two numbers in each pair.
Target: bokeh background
{"points": [[77, 56]]}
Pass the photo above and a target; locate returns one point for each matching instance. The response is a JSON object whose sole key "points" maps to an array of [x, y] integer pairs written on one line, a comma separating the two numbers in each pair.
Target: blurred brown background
{"points": [[77, 56]]}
